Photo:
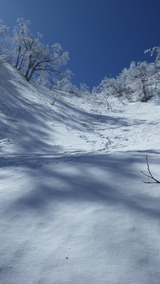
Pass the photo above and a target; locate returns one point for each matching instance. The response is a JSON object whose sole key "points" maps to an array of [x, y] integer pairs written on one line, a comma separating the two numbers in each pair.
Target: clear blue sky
{"points": [[102, 36]]}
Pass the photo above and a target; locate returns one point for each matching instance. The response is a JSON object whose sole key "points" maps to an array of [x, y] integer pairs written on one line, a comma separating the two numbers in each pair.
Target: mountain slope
{"points": [[73, 205]]}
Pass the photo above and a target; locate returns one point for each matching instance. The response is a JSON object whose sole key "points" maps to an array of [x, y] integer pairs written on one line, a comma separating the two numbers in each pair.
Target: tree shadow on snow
{"points": [[109, 180]]}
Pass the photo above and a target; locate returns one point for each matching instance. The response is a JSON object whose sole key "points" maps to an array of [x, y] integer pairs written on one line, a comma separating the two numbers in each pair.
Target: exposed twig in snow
{"points": [[149, 175], [54, 100]]}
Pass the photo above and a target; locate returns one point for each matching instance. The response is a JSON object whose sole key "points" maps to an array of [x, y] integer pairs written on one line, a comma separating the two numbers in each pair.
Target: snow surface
{"points": [[73, 205]]}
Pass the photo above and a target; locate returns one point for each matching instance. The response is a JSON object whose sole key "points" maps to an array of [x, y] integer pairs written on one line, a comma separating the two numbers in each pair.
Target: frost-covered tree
{"points": [[48, 61], [33, 57], [155, 52], [27, 48], [3, 29], [66, 85], [137, 82], [42, 59], [113, 86], [58, 60], [3, 36], [22, 38], [84, 89], [38, 58], [140, 73]]}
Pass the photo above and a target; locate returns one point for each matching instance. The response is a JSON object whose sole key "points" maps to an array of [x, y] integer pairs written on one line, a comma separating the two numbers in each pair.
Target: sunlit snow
{"points": [[73, 205]]}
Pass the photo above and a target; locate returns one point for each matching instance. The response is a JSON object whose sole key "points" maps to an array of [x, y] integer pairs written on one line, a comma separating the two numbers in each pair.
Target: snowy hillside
{"points": [[73, 205]]}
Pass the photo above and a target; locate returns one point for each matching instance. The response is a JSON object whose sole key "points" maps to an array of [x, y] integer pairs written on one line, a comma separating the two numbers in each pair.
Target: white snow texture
{"points": [[73, 205]]}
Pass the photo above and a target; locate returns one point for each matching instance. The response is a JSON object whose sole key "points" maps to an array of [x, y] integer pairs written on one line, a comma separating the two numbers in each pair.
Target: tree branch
{"points": [[149, 175]]}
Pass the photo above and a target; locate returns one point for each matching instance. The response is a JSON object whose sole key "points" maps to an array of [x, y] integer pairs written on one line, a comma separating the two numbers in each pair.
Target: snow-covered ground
{"points": [[73, 205]]}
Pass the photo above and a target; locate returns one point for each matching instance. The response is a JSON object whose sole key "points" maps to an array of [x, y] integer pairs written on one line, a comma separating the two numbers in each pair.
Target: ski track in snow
{"points": [[73, 205]]}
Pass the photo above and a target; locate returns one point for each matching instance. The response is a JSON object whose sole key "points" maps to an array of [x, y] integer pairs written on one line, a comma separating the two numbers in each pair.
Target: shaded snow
{"points": [[73, 205]]}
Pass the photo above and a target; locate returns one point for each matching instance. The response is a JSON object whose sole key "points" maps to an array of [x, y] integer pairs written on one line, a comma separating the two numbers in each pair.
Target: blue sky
{"points": [[102, 36]]}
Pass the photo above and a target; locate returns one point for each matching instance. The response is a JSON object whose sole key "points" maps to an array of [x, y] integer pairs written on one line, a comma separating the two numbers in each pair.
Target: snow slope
{"points": [[73, 205]]}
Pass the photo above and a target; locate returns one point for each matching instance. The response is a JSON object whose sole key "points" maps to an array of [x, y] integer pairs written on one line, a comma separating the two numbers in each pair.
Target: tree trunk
{"points": [[31, 74], [27, 72], [18, 57], [21, 64]]}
